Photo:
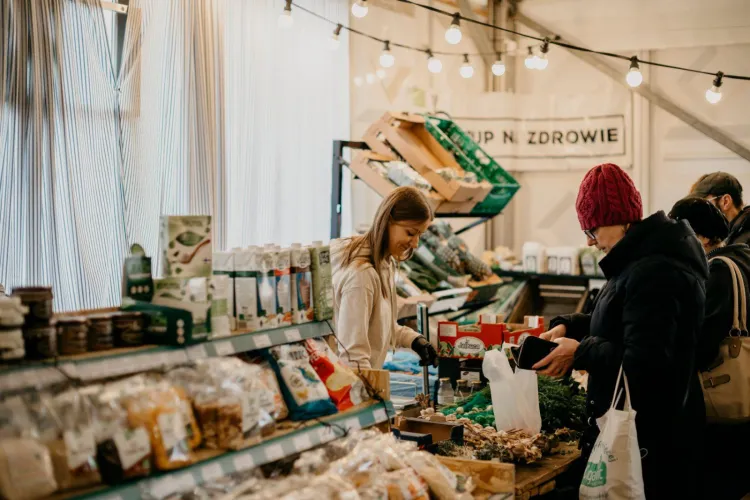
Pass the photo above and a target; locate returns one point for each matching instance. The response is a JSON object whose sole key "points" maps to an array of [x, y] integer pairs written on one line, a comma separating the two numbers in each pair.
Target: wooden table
{"points": [[539, 478]]}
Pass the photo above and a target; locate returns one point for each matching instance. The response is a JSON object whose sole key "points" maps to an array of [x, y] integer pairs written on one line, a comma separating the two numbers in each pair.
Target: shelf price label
{"points": [[352, 424], [326, 434], [211, 472], [380, 415], [292, 335], [262, 340], [224, 348], [302, 442], [274, 452], [197, 352], [244, 462]]}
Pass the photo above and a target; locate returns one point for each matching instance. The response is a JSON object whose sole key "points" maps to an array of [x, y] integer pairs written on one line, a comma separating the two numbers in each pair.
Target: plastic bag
{"points": [[441, 480], [344, 387], [404, 484], [515, 396], [305, 394]]}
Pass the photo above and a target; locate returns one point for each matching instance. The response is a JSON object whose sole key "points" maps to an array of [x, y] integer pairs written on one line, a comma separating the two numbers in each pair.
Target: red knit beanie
{"points": [[608, 197]]}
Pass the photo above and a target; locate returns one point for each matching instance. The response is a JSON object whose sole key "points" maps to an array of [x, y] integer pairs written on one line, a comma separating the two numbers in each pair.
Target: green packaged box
{"points": [[185, 243], [191, 295], [473, 158]]}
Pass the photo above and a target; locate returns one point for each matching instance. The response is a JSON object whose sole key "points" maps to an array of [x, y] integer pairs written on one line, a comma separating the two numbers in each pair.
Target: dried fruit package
{"points": [[161, 411], [26, 471], [73, 450], [344, 387], [305, 394]]}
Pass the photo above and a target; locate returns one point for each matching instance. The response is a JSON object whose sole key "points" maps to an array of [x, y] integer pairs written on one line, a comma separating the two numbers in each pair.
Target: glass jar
{"points": [[39, 301], [72, 335], [40, 341], [128, 327], [462, 391], [100, 336], [445, 392], [476, 386]]}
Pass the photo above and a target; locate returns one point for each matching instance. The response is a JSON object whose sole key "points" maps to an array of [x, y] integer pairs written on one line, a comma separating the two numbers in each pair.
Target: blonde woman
{"points": [[363, 282]]}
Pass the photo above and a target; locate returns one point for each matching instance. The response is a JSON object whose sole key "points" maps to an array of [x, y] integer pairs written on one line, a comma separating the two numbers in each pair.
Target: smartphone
{"points": [[533, 350]]}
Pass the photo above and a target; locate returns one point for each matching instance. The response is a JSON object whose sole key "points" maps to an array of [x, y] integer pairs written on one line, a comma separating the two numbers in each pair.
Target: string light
{"points": [[453, 33], [713, 95], [542, 62], [498, 67], [380, 73], [358, 81], [386, 58], [530, 61], [370, 78], [434, 65], [334, 40], [634, 76], [467, 70], [286, 20], [359, 9]]}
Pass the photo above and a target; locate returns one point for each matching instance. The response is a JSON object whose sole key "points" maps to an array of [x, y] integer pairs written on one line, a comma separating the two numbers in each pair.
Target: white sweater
{"points": [[365, 320]]}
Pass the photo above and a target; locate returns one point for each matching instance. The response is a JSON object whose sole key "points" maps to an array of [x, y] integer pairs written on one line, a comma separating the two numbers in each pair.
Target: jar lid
{"points": [[100, 316], [66, 320], [461, 381], [445, 379], [43, 292]]}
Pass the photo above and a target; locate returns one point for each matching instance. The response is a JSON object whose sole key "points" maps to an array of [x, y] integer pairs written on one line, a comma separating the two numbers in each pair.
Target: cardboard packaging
{"points": [[223, 264], [301, 282], [407, 135], [322, 281], [472, 341], [266, 292], [246, 270], [185, 244], [190, 295], [282, 274], [137, 282], [221, 318]]}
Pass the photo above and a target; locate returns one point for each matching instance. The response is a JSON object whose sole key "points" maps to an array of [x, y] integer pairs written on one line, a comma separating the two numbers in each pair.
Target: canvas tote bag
{"points": [[614, 467], [726, 384]]}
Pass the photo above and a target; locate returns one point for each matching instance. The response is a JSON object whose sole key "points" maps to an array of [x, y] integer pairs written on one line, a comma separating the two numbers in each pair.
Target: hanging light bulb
{"points": [[359, 8], [498, 67], [713, 95], [334, 40], [358, 81], [541, 61], [467, 70], [434, 65], [380, 73], [530, 61], [370, 78], [453, 34], [386, 58], [634, 76], [286, 20]]}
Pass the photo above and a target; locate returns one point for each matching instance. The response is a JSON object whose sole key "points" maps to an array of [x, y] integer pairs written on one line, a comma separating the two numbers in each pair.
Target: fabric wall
{"points": [[213, 110]]}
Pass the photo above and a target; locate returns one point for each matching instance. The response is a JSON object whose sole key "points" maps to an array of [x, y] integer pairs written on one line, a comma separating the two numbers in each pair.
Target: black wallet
{"points": [[533, 350]]}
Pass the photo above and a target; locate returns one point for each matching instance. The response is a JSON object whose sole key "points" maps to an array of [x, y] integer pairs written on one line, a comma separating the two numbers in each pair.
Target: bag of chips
{"points": [[344, 387]]}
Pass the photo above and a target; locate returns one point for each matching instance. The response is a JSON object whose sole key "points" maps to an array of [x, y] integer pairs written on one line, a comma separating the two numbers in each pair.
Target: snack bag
{"points": [[272, 401], [305, 394], [343, 385]]}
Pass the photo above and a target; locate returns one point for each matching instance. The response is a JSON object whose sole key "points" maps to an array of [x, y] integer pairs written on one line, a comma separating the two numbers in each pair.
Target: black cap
{"points": [[719, 184], [705, 219]]}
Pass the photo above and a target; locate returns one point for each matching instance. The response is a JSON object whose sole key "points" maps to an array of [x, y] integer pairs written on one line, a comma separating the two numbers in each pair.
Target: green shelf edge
{"points": [[236, 461]]}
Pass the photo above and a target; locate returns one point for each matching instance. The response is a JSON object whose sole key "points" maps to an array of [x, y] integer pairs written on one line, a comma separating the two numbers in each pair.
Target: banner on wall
{"points": [[551, 135]]}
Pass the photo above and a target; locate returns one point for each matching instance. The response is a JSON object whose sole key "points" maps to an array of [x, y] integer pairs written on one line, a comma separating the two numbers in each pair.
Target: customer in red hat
{"points": [[647, 319]]}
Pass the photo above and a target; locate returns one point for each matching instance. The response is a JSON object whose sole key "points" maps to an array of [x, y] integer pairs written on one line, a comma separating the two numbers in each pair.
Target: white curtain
{"points": [[215, 110]]}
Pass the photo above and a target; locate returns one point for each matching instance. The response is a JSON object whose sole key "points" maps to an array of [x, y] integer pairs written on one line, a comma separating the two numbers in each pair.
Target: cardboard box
{"points": [[407, 135], [532, 325], [361, 167], [185, 244], [440, 431], [456, 342]]}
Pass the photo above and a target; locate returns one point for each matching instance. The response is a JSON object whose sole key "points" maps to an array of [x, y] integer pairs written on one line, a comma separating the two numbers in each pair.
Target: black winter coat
{"points": [[648, 319], [739, 229]]}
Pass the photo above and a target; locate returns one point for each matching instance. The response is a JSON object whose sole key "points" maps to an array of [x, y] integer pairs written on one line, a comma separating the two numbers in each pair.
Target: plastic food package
{"points": [[122, 452], [361, 468], [329, 486], [441, 480], [404, 484], [73, 450], [276, 407], [305, 394], [160, 409], [344, 387], [402, 174]]}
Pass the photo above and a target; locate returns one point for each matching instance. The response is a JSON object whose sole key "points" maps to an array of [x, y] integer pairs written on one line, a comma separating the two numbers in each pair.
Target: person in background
{"points": [[725, 192], [646, 319], [364, 267], [728, 462]]}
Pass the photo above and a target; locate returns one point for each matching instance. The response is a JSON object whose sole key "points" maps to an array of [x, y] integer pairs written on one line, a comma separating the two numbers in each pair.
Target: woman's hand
{"points": [[427, 354], [557, 332], [560, 360]]}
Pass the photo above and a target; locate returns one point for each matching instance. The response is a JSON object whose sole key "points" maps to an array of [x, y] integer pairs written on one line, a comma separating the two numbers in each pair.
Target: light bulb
{"points": [[530, 61], [380, 73], [713, 95], [634, 76], [286, 20], [370, 78], [542, 62], [334, 42], [453, 33], [434, 65], [359, 8], [358, 81], [386, 58], [467, 70], [498, 68]]}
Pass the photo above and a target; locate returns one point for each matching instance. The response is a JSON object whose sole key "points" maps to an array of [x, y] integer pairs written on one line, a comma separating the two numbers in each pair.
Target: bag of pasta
{"points": [[161, 410], [26, 471], [344, 387]]}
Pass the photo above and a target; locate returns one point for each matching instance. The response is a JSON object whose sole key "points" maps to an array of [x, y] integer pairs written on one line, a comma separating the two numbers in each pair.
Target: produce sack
{"points": [[305, 394], [515, 396], [614, 467], [344, 387]]}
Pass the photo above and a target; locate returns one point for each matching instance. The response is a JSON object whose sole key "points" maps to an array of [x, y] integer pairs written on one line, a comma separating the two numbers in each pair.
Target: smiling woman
{"points": [[363, 281]]}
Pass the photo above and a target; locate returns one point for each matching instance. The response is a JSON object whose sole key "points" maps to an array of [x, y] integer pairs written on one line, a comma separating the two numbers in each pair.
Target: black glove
{"points": [[427, 353]]}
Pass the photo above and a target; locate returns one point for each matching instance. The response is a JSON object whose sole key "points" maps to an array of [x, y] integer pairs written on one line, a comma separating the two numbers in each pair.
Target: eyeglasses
{"points": [[591, 233]]}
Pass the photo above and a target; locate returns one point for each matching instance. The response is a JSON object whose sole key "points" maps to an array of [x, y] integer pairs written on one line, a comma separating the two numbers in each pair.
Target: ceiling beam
{"points": [[603, 65], [479, 36]]}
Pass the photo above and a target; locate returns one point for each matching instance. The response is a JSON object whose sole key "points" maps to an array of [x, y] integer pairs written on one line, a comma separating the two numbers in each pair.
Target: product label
{"points": [[132, 446], [303, 382], [470, 346], [80, 447], [172, 429], [250, 412], [246, 298]]}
